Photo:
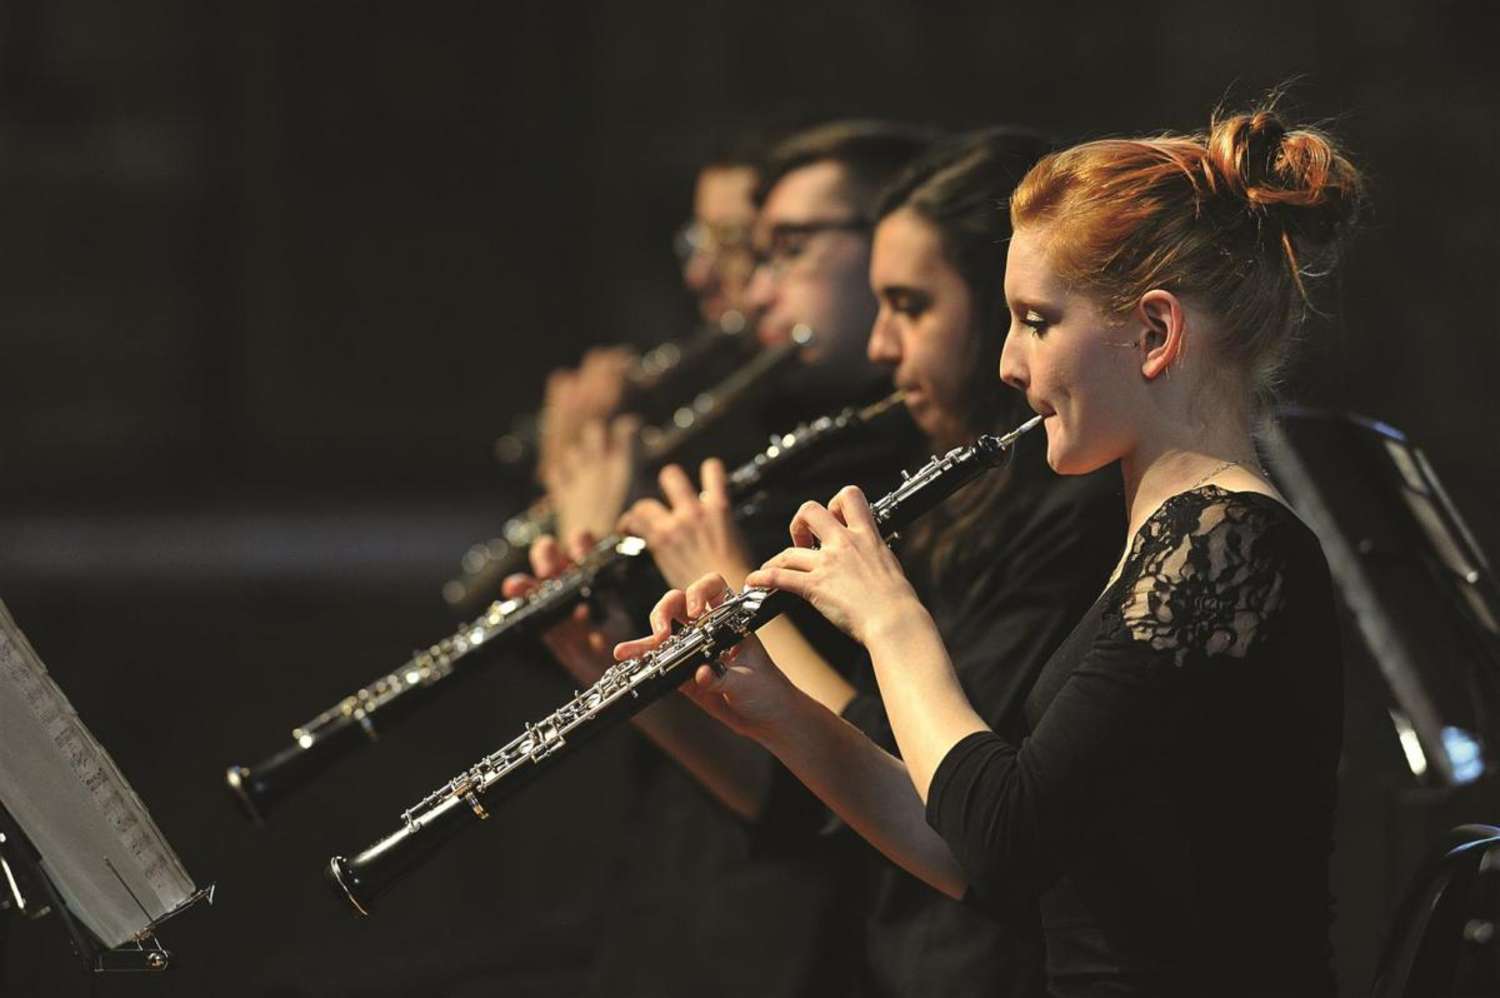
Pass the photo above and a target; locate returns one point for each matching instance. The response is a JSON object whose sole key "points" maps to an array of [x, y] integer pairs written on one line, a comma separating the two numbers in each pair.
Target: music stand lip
{"points": [[142, 953], [201, 894], [145, 953]]}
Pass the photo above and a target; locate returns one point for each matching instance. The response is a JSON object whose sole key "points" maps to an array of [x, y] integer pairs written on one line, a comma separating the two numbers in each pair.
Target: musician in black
{"points": [[1008, 567], [1170, 802], [585, 457], [692, 883]]}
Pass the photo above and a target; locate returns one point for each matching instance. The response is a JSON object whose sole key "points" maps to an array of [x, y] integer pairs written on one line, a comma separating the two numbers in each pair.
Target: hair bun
{"points": [[1298, 178]]}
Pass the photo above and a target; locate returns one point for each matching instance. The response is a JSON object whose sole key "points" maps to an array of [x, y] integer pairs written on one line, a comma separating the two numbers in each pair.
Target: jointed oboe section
{"points": [[352, 722], [625, 689]]}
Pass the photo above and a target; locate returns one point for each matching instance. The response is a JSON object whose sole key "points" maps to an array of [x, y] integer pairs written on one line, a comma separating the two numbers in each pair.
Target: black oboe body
{"points": [[357, 720], [625, 689]]}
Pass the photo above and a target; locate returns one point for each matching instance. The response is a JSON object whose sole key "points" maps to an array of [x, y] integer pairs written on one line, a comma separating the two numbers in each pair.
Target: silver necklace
{"points": [[1226, 465]]}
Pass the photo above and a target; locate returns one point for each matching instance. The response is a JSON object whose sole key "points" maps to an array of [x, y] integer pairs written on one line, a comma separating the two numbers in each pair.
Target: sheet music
{"points": [[98, 844]]}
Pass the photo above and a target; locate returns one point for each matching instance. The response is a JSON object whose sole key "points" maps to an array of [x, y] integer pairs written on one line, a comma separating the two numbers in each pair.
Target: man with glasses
{"points": [[812, 244], [586, 463], [704, 903], [803, 261], [714, 245]]}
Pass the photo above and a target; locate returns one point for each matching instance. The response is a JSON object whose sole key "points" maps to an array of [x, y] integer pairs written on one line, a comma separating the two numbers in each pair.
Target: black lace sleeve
{"points": [[1204, 583], [1207, 580]]}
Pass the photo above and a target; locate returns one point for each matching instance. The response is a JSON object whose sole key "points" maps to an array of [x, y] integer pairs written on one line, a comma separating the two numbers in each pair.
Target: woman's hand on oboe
{"points": [[579, 643], [576, 396], [751, 695], [842, 566], [590, 481], [694, 533]]}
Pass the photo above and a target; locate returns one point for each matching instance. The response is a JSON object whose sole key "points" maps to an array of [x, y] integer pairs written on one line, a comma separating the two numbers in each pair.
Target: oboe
{"points": [[625, 689], [351, 722], [486, 563], [659, 369]]}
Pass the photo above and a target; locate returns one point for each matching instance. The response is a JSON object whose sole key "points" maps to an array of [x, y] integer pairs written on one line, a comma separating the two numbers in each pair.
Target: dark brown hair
{"points": [[961, 188], [870, 151]]}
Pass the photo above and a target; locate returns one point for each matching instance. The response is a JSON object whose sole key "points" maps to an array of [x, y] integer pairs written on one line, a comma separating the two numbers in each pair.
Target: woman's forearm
{"points": [[927, 707], [800, 662], [865, 786], [733, 768]]}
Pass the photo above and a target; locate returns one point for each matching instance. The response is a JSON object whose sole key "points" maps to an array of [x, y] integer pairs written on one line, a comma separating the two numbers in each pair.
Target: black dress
{"points": [[1172, 805], [1030, 568]]}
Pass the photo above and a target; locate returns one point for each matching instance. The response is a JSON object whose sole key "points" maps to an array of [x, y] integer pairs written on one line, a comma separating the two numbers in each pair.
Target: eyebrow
{"points": [[1021, 305], [902, 289], [817, 224]]}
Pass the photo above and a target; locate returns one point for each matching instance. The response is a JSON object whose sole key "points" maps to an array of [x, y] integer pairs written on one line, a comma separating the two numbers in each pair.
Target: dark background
{"points": [[276, 274]]}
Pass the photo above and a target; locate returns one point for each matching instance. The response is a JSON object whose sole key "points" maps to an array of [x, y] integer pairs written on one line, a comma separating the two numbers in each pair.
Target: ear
{"points": [[1164, 335]]}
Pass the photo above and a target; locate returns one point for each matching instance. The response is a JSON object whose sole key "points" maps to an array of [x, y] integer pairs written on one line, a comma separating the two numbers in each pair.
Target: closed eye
{"points": [[1031, 320], [789, 246], [907, 302]]}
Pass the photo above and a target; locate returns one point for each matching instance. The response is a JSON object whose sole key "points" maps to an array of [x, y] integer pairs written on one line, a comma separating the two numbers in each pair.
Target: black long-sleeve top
{"points": [[697, 906], [1029, 569], [1172, 804]]}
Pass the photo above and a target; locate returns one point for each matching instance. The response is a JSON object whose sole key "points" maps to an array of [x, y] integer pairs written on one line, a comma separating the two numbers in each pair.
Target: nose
{"points": [[884, 346], [760, 295], [697, 271], [1013, 364], [761, 291]]}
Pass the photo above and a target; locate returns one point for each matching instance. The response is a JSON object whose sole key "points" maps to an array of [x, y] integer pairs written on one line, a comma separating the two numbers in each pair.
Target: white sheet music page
{"points": [[107, 857]]}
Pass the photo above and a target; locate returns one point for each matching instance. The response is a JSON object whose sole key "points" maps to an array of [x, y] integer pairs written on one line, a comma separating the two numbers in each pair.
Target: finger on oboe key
{"points": [[707, 592], [853, 510], [812, 525]]}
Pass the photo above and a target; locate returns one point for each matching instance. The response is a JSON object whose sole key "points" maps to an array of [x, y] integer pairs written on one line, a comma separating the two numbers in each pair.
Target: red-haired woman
{"points": [[1172, 802]]}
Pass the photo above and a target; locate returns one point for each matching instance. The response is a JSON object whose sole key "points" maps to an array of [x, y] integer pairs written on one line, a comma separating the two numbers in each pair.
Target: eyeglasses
{"points": [[787, 241], [695, 238]]}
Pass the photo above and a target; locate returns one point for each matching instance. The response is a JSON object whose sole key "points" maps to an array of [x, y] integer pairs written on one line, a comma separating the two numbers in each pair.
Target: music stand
{"points": [[75, 840]]}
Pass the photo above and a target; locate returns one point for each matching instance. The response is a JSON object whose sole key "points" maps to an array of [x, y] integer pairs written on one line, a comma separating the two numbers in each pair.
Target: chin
{"points": [[1055, 452], [930, 432], [934, 427], [1064, 468], [769, 337], [1076, 462], [1061, 458]]}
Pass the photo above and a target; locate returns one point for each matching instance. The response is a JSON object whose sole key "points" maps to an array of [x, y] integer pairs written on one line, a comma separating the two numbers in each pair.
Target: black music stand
{"points": [[1420, 611], [1422, 598]]}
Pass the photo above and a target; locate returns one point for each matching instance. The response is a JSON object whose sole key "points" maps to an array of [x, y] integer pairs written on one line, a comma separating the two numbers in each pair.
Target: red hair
{"points": [[1243, 217]]}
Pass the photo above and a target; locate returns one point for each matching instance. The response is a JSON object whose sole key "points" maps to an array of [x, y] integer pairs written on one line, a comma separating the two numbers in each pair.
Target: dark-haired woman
{"points": [[1171, 801], [1007, 568]]}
